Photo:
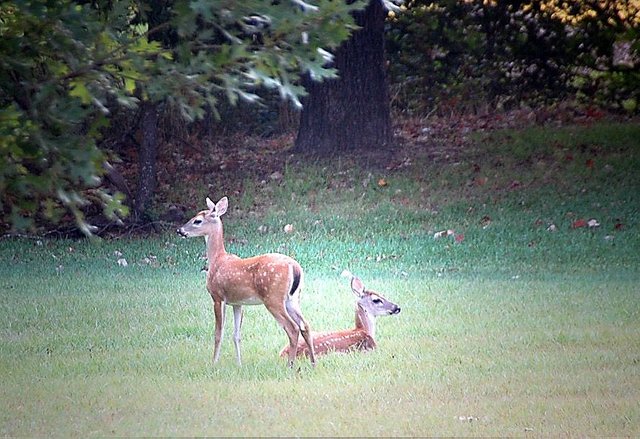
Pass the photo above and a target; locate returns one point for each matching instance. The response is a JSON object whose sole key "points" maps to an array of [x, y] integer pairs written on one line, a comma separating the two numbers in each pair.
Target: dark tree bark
{"points": [[147, 159], [351, 112], [157, 14]]}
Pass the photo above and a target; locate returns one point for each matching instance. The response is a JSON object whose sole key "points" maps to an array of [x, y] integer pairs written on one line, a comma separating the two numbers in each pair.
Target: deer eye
{"points": [[377, 301], [197, 222]]}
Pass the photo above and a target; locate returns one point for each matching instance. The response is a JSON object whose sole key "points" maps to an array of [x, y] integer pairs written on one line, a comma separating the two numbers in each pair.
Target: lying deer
{"points": [[273, 280], [361, 338]]}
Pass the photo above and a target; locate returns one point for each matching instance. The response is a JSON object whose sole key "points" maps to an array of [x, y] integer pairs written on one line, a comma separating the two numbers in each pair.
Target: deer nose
{"points": [[396, 311], [181, 232]]}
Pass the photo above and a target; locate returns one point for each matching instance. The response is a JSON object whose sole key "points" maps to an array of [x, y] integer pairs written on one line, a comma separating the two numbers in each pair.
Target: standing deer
{"points": [[361, 338], [273, 280]]}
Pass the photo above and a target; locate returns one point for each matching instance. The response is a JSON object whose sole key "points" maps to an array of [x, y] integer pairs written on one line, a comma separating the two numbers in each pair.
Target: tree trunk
{"points": [[147, 160], [352, 111]]}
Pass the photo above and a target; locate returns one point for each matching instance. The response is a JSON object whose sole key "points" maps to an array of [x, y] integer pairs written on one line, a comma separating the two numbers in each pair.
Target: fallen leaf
{"points": [[578, 223], [594, 113], [480, 181], [593, 223], [122, 262], [443, 233], [459, 238], [552, 228], [382, 182], [590, 163], [150, 260], [288, 228]]}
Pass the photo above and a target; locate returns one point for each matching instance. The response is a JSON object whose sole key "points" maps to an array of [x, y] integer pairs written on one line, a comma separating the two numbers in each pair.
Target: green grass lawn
{"points": [[510, 330]]}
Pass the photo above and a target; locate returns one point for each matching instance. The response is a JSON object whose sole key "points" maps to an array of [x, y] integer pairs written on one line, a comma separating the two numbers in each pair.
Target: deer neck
{"points": [[365, 321], [215, 245]]}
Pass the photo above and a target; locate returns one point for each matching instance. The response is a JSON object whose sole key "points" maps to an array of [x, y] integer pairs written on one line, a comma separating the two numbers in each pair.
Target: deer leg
{"points": [[218, 311], [293, 308], [290, 328], [237, 325], [292, 333], [306, 334]]}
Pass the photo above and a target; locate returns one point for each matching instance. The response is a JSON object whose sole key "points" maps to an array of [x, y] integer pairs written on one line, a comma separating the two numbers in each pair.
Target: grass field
{"points": [[507, 328]]}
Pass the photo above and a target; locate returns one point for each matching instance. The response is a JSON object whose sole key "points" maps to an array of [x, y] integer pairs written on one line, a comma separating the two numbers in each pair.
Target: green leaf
{"points": [[630, 104], [129, 85], [79, 90]]}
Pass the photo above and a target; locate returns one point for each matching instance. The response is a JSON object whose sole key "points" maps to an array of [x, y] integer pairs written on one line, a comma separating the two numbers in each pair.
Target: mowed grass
{"points": [[511, 330]]}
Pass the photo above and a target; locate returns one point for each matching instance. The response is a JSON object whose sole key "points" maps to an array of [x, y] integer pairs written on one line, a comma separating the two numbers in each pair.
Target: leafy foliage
{"points": [[235, 48], [469, 53], [67, 65], [62, 68]]}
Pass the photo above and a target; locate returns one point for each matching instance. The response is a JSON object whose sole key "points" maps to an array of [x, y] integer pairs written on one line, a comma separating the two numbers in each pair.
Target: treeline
{"points": [[81, 82], [75, 73], [467, 55]]}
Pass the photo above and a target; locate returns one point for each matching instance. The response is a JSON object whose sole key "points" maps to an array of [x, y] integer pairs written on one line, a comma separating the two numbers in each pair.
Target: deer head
{"points": [[369, 306], [205, 221], [372, 302]]}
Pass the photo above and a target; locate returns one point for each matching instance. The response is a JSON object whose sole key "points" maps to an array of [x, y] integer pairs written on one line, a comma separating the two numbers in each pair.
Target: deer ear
{"points": [[357, 286], [221, 206], [210, 204]]}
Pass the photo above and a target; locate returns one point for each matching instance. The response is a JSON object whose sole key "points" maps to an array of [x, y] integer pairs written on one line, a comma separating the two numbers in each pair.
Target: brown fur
{"points": [[361, 338], [273, 279]]}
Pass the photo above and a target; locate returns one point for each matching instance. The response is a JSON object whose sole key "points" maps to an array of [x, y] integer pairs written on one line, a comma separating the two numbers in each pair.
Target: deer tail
{"points": [[297, 279]]}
